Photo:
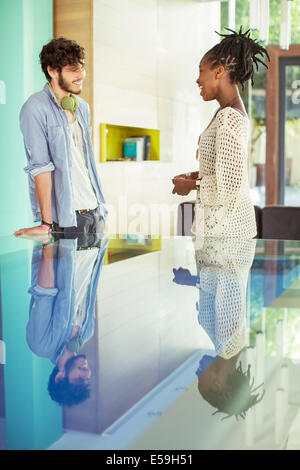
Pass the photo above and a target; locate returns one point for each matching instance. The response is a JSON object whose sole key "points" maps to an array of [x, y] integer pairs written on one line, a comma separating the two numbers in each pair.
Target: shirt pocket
{"points": [[57, 141]]}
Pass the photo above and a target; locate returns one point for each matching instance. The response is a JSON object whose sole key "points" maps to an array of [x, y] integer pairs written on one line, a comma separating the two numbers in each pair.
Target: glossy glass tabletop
{"points": [[135, 342]]}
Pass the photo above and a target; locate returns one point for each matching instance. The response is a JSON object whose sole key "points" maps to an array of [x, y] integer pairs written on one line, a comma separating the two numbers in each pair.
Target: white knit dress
{"points": [[223, 205]]}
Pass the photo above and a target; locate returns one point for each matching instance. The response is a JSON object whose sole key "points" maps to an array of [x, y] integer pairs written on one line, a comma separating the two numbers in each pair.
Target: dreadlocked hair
{"points": [[237, 52], [237, 397]]}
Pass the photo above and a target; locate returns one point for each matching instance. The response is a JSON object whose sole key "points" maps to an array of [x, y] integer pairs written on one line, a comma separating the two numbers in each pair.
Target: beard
{"points": [[64, 85], [70, 362]]}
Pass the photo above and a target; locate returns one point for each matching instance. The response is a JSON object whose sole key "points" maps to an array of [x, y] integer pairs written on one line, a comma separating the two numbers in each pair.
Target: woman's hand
{"points": [[193, 175], [184, 277], [183, 184]]}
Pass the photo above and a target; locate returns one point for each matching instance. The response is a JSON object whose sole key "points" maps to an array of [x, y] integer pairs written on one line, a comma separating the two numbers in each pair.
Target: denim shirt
{"points": [[51, 310], [45, 128]]}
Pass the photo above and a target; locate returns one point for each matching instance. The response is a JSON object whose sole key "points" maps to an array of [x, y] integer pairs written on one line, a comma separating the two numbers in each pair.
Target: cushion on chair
{"points": [[281, 222]]}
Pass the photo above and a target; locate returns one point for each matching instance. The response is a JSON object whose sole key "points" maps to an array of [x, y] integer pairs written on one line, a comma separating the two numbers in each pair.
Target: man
{"points": [[65, 190], [64, 286]]}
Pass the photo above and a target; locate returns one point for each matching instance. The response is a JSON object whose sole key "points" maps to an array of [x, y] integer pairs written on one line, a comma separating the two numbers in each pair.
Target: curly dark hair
{"points": [[60, 52], [237, 52], [66, 393], [237, 396]]}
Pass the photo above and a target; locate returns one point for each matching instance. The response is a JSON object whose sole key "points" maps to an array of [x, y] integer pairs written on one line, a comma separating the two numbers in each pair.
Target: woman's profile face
{"points": [[207, 80]]}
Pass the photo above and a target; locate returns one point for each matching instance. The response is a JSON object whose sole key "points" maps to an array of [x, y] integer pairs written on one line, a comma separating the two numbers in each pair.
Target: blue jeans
{"points": [[90, 228]]}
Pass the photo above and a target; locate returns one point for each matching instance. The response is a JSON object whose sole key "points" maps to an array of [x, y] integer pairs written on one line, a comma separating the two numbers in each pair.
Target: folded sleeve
{"points": [[39, 290], [226, 184], [34, 130]]}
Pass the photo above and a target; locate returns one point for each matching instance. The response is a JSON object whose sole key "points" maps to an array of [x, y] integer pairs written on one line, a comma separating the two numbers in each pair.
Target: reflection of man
{"points": [[222, 273], [62, 312], [64, 186]]}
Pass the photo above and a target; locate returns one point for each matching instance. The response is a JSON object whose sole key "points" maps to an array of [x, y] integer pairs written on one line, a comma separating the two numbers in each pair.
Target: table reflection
{"points": [[156, 353]]}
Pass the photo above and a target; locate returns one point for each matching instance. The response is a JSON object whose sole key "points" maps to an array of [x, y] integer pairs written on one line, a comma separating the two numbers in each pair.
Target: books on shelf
{"points": [[137, 148], [147, 146], [133, 148]]}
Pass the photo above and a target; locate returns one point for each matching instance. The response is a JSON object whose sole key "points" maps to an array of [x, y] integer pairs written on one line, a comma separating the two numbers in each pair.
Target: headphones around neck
{"points": [[70, 103]]}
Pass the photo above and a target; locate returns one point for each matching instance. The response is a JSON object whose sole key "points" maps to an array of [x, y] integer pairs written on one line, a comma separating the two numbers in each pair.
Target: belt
{"points": [[84, 211], [84, 247]]}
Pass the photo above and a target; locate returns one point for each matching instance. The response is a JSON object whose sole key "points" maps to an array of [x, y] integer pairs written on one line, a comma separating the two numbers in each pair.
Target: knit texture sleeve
{"points": [[231, 162]]}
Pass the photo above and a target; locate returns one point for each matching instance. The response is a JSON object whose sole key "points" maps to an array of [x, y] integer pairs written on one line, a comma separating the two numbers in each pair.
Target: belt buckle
{"points": [[83, 211]]}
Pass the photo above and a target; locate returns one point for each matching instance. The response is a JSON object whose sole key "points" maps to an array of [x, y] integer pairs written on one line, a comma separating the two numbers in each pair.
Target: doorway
{"points": [[283, 126], [289, 131]]}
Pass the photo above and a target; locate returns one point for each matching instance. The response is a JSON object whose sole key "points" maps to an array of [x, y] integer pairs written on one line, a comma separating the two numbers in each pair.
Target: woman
{"points": [[223, 204]]}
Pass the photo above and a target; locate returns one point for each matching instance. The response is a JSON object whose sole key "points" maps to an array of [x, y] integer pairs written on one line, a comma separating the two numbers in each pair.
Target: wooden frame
{"points": [[74, 19], [272, 120]]}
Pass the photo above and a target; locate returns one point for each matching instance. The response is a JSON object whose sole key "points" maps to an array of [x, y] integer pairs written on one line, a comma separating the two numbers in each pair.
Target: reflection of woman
{"points": [[224, 385], [223, 205], [62, 312], [222, 273], [223, 270], [222, 308]]}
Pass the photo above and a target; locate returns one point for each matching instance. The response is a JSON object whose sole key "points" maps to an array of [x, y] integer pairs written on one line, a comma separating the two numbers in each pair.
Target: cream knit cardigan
{"points": [[223, 205]]}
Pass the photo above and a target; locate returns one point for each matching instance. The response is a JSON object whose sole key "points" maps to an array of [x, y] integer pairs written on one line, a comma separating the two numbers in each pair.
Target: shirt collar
{"points": [[48, 90]]}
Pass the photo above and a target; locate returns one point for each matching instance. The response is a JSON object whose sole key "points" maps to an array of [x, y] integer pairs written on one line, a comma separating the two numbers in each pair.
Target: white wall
{"points": [[146, 56]]}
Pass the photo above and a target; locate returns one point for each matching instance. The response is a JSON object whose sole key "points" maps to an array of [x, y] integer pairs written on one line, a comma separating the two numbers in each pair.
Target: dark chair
{"points": [[281, 222], [258, 216], [186, 217]]}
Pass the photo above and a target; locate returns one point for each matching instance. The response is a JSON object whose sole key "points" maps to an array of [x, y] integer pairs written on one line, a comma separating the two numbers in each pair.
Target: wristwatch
{"points": [[47, 224]]}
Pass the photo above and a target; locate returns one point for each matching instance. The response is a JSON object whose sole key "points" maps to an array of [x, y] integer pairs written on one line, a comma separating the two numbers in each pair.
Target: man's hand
{"points": [[37, 233], [43, 186]]}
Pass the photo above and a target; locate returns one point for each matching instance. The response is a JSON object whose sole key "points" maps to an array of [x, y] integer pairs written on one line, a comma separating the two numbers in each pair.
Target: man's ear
{"points": [[52, 72], [59, 376]]}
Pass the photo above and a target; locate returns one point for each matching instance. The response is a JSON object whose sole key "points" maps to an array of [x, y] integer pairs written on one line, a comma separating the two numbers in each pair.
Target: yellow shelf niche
{"points": [[113, 136], [124, 248]]}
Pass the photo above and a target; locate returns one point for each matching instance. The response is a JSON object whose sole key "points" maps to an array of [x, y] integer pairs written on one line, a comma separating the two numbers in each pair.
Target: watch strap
{"points": [[47, 223]]}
